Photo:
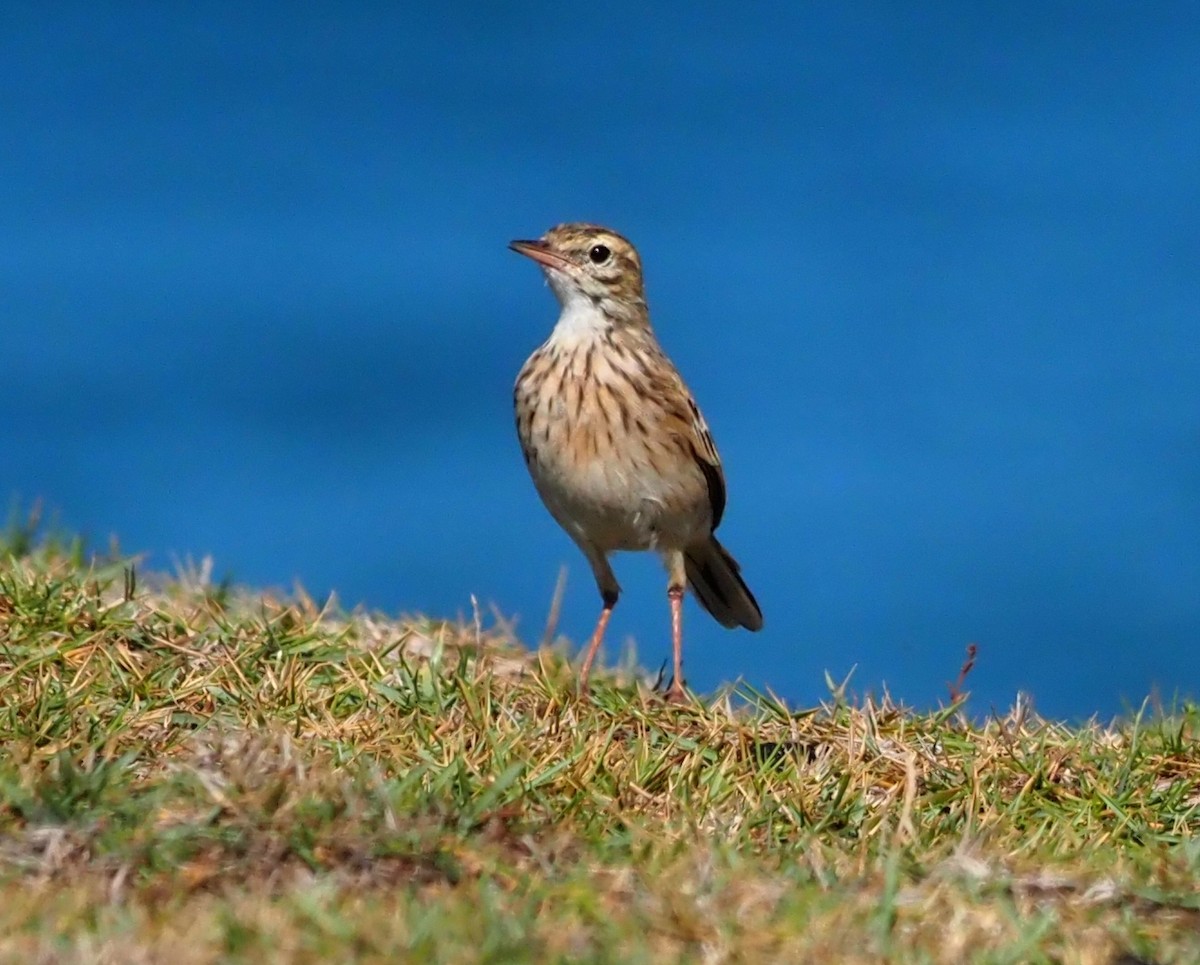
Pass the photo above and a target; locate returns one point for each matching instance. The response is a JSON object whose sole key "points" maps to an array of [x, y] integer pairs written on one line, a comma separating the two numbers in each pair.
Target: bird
{"points": [[614, 441]]}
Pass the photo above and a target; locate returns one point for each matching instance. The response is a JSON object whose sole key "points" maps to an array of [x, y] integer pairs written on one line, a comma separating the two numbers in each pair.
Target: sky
{"points": [[932, 272]]}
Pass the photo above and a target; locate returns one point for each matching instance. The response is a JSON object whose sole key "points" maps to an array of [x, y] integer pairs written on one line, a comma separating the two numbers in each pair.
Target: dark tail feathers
{"points": [[715, 578]]}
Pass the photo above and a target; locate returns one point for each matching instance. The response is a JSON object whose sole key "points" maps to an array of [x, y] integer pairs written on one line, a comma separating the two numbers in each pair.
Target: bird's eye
{"points": [[599, 254]]}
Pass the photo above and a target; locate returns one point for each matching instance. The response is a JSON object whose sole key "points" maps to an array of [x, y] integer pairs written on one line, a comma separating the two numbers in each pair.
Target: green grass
{"points": [[191, 772]]}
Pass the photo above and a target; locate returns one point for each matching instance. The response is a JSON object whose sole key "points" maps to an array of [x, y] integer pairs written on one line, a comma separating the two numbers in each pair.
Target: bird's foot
{"points": [[676, 694]]}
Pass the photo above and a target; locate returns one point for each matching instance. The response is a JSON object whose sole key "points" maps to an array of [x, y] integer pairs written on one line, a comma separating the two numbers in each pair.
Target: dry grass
{"points": [[193, 773]]}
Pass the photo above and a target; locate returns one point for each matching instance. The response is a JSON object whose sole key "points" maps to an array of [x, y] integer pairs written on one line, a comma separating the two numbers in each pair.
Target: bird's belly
{"points": [[615, 476], [620, 503]]}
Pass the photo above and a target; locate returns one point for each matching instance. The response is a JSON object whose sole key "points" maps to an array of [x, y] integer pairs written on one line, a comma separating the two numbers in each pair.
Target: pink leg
{"points": [[597, 638], [675, 693]]}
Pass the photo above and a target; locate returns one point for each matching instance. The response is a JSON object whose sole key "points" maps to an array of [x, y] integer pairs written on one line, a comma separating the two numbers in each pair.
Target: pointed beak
{"points": [[541, 252]]}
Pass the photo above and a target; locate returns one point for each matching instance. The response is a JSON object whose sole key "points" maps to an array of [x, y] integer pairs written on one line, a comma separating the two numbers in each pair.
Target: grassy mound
{"points": [[194, 773]]}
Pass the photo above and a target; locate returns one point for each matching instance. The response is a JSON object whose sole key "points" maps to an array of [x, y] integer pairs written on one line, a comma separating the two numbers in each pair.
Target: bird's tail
{"points": [[714, 577]]}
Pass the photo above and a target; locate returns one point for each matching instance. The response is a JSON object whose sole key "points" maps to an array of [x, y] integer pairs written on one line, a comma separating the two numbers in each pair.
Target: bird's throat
{"points": [[582, 320]]}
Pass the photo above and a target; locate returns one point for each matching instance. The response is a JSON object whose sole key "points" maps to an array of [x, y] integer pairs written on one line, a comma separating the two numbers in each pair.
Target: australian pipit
{"points": [[616, 445]]}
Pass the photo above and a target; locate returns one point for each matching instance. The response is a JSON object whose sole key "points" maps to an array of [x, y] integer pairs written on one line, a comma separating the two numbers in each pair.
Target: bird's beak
{"points": [[541, 252]]}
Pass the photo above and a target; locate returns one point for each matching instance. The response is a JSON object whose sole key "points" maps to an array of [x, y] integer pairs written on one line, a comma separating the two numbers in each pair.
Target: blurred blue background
{"points": [[933, 272]]}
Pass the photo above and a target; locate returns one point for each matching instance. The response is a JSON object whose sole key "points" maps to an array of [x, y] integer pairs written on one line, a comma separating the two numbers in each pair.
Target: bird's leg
{"points": [[610, 591], [675, 693], [610, 601], [677, 581]]}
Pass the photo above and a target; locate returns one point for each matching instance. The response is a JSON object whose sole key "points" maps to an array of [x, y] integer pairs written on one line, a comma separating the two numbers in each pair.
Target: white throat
{"points": [[581, 320]]}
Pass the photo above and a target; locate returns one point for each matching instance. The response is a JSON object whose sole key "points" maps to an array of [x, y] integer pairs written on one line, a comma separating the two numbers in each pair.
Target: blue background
{"points": [[933, 274]]}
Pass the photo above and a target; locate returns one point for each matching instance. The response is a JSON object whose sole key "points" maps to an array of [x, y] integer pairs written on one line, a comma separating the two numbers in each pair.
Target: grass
{"points": [[192, 772]]}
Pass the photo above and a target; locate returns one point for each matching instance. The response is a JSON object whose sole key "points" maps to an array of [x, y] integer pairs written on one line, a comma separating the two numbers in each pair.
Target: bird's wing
{"points": [[704, 451], [691, 431], [682, 420]]}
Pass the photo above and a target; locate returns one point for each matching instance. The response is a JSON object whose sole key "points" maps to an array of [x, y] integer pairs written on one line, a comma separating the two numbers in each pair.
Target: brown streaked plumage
{"points": [[616, 445]]}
